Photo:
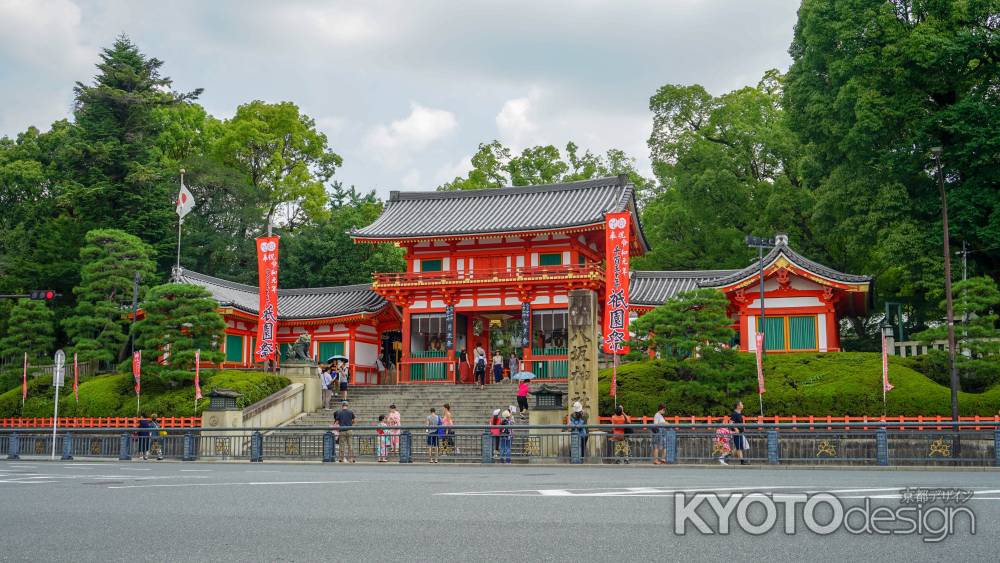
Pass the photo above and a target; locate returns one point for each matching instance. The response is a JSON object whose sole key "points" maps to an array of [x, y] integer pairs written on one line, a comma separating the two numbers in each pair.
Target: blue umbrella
{"points": [[524, 375]]}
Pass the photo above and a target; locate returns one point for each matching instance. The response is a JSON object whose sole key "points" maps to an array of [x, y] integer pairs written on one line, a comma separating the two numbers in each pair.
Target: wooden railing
{"points": [[818, 422], [98, 422]]}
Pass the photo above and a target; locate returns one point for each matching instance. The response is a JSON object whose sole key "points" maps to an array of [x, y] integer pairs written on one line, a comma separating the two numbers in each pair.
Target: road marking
{"points": [[262, 471], [134, 469], [251, 483], [618, 491], [194, 470]]}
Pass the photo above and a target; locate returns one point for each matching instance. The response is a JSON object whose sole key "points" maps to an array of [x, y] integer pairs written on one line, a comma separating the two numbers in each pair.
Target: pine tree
{"points": [[111, 258], [29, 329], [178, 319]]}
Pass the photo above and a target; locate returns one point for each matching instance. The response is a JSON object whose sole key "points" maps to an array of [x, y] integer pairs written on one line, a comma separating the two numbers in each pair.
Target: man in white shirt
{"points": [[325, 381], [660, 436]]}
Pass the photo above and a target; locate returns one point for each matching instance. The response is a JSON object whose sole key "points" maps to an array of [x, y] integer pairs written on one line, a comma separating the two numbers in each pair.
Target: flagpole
{"points": [[180, 221]]}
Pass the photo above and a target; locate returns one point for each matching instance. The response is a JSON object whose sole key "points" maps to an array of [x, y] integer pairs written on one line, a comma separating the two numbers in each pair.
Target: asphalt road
{"points": [[166, 511]]}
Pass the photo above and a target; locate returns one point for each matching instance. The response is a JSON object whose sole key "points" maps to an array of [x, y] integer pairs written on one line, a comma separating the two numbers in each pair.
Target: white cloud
{"points": [[451, 170], [516, 121], [397, 142], [411, 179]]}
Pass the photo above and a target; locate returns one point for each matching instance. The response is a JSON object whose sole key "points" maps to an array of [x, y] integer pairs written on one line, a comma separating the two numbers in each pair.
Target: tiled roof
{"points": [[499, 210], [782, 249], [293, 304], [652, 288]]}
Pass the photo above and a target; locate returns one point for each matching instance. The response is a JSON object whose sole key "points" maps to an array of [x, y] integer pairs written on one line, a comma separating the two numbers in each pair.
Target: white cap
{"points": [[496, 412], [577, 407], [506, 414]]}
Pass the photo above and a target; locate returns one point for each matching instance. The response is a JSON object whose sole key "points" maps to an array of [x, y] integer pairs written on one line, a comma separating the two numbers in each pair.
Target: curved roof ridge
{"points": [[505, 190]]}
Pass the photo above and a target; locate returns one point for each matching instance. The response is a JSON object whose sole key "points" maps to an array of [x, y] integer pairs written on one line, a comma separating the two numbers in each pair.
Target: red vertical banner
{"points": [[197, 375], [76, 379], [137, 370], [617, 233], [24, 379], [267, 311], [760, 363]]}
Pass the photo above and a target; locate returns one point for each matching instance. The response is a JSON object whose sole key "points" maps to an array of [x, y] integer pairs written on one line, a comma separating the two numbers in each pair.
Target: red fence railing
{"points": [[818, 422], [98, 422]]}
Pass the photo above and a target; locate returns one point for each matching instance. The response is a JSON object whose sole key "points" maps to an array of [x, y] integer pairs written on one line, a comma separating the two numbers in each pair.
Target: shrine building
{"points": [[494, 267]]}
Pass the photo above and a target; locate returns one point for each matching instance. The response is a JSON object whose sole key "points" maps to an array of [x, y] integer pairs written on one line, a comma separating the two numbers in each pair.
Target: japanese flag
{"points": [[185, 201]]}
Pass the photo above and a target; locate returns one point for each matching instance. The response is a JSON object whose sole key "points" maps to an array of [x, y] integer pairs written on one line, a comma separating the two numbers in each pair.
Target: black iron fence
{"points": [[686, 444]]}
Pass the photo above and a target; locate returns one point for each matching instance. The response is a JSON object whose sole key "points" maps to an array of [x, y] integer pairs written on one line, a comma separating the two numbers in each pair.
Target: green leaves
{"points": [[689, 323], [29, 329]]}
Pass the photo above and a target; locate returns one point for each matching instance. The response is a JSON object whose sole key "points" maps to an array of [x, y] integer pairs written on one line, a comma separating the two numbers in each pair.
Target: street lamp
{"points": [[760, 244], [950, 311]]}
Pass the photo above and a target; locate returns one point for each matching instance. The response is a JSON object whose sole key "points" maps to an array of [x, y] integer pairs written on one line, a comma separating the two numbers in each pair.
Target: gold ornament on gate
{"points": [[825, 448]]}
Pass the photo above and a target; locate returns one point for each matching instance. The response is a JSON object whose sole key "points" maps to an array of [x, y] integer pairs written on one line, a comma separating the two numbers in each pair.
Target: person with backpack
{"points": [[143, 436], [434, 427], [618, 440], [506, 421]]}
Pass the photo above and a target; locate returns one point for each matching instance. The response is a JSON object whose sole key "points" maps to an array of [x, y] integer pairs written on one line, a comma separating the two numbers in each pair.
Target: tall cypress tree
{"points": [[111, 258]]}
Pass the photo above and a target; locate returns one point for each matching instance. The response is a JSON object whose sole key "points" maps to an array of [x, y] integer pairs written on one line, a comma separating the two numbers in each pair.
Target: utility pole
{"points": [[949, 305]]}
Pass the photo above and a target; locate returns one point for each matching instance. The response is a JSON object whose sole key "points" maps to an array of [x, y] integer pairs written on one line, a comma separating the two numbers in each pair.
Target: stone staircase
{"points": [[469, 403]]}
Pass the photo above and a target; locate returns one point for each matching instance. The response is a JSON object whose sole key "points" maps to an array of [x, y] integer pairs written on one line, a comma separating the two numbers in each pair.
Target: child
{"points": [[722, 446], [382, 439]]}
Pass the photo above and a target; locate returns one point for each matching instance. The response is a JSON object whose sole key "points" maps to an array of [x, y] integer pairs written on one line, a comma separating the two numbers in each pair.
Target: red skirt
{"points": [[464, 372]]}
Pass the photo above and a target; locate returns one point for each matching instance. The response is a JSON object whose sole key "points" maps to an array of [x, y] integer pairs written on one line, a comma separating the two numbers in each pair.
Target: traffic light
{"points": [[43, 294]]}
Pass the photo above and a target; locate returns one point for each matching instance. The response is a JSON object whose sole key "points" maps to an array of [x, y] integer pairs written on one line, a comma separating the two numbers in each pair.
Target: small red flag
{"points": [[24, 379], [137, 369], [197, 375], [886, 386], [76, 379]]}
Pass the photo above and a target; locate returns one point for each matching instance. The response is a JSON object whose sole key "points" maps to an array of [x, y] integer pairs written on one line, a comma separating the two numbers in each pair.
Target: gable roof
{"points": [[293, 304], [654, 288], [781, 249], [503, 210]]}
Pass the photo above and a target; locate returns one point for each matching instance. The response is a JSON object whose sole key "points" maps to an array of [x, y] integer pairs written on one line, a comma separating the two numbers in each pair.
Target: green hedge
{"points": [[113, 395], [848, 383]]}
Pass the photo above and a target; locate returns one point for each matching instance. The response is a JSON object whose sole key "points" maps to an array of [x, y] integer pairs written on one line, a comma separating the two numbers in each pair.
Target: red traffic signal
{"points": [[43, 294]]}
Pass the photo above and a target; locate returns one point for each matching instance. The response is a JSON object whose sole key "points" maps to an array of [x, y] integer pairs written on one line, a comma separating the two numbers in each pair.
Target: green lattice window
{"points": [[774, 334], [802, 333], [553, 259], [431, 265], [234, 348], [327, 349]]}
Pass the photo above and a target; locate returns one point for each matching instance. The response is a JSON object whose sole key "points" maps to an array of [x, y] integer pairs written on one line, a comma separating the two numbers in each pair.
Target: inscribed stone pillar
{"points": [[583, 346]]}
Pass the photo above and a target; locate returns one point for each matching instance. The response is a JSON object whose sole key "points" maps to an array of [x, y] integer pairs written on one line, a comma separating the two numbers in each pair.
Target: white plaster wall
{"points": [[751, 329], [775, 302], [821, 333], [365, 353]]}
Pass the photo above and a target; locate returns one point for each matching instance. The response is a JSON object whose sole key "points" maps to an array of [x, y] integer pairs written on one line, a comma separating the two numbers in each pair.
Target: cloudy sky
{"points": [[405, 91]]}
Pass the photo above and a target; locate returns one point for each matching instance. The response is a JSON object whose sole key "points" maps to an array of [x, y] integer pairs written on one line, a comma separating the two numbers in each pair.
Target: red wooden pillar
{"points": [[352, 330], [832, 331], [404, 367]]}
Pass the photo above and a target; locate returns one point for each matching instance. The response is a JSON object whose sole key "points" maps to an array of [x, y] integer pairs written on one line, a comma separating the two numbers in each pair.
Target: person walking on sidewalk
{"points": [[740, 442], [522, 397], [660, 436], [382, 439], [433, 424], [506, 421], [393, 421], [619, 440], [345, 420]]}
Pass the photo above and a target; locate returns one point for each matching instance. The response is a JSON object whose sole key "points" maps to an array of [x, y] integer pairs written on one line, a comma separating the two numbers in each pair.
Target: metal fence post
{"points": [[14, 447], [123, 451], [256, 447], [405, 447], [67, 453], [670, 446], [329, 450], [882, 446], [996, 446], [188, 447], [575, 447], [773, 453], [487, 448]]}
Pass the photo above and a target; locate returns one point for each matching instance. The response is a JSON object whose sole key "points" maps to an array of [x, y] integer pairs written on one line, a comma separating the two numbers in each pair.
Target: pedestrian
{"points": [[464, 367], [660, 435], [740, 441], [156, 444], [433, 422], [513, 364], [345, 420], [393, 421], [505, 436], [722, 444], [344, 373], [497, 367], [143, 436], [578, 426], [618, 439], [522, 396], [582, 414], [480, 365], [495, 431], [382, 439], [326, 382], [447, 420]]}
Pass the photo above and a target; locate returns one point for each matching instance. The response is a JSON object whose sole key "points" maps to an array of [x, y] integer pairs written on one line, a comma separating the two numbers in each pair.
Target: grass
{"points": [[113, 394], [848, 383]]}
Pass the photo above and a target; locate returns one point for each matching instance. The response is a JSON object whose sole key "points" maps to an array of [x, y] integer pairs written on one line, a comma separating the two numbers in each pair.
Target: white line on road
{"points": [[194, 470], [134, 469], [251, 483]]}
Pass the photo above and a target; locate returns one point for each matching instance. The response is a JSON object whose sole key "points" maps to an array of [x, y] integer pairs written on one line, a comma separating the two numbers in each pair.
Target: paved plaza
{"points": [[103, 511]]}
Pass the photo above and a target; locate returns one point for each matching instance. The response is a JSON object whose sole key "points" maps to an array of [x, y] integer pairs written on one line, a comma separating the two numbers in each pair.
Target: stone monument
{"points": [[583, 345]]}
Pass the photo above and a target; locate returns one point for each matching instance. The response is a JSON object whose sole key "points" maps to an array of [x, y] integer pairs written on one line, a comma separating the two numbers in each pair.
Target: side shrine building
{"points": [[494, 268]]}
